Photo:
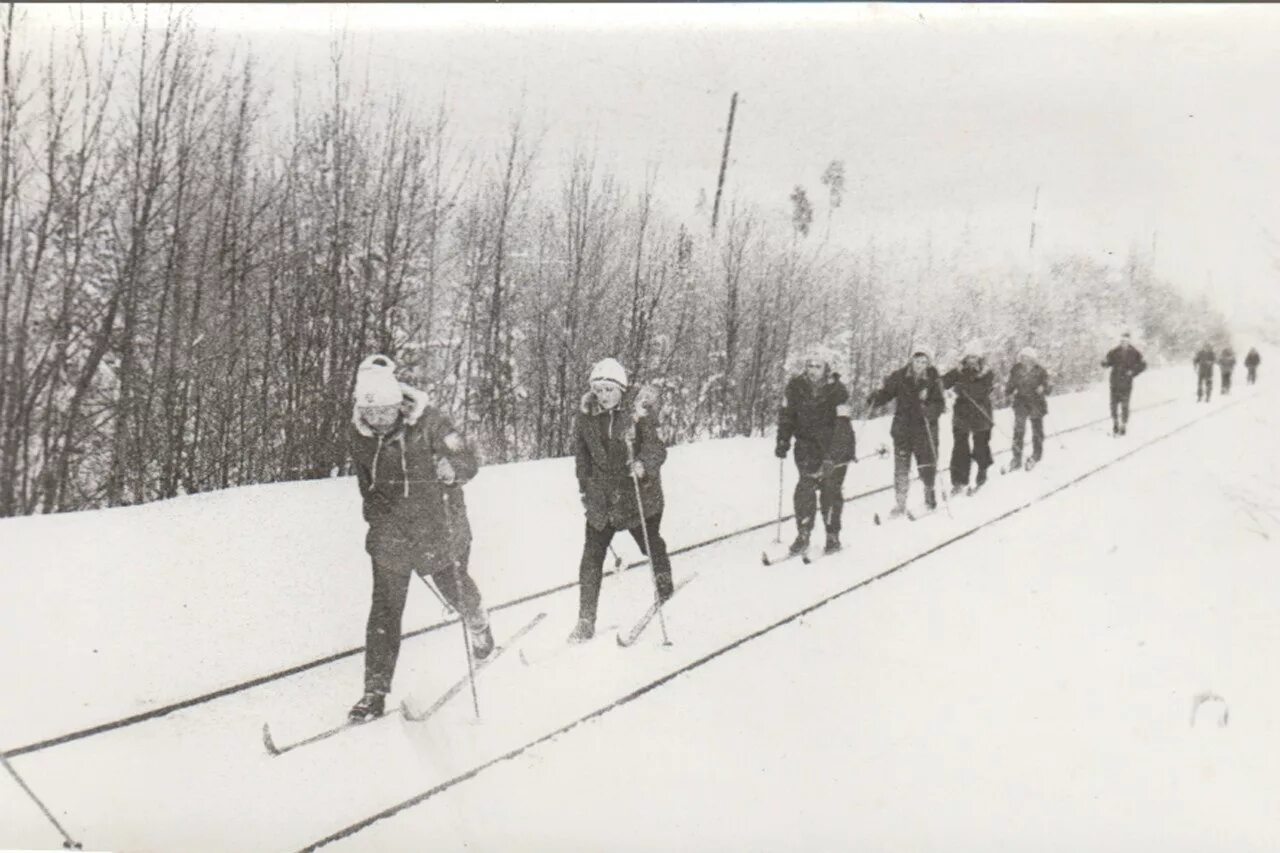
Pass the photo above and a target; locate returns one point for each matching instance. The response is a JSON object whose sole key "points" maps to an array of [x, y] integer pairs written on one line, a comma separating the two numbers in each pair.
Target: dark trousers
{"points": [[1226, 382], [1120, 406], [962, 456], [1204, 387], [1037, 434], [1252, 376], [390, 589], [926, 456], [591, 569], [831, 489]]}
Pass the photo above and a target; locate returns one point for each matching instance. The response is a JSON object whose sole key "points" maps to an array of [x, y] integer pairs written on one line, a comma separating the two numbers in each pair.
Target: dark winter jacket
{"points": [[919, 403], [1204, 361], [973, 397], [818, 418], [1252, 359], [607, 442], [1227, 361], [1028, 387], [1125, 363], [404, 500]]}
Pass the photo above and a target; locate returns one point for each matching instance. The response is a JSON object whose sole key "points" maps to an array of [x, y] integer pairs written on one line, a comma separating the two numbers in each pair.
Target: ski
{"points": [[809, 558], [273, 749], [415, 716], [637, 629], [543, 653], [905, 514], [782, 558]]}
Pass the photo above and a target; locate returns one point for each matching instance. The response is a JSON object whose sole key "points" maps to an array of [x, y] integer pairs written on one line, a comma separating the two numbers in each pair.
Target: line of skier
{"points": [[1205, 360], [411, 464]]}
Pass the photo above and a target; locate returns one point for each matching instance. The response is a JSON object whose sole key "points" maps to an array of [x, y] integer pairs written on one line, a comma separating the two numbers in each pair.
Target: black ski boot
{"points": [[833, 542], [958, 488], [370, 707], [982, 478], [665, 588], [801, 544], [930, 499]]}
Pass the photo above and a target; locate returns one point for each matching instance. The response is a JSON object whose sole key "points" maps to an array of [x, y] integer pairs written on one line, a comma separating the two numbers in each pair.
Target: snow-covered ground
{"points": [[1027, 687]]}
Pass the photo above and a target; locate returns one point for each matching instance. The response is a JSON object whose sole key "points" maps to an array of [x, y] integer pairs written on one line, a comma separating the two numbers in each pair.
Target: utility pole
{"points": [[724, 162]]}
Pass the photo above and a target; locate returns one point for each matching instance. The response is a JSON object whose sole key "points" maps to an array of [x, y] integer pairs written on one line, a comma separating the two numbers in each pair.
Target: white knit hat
{"points": [[974, 347], [921, 349], [609, 370], [376, 383], [1028, 353]]}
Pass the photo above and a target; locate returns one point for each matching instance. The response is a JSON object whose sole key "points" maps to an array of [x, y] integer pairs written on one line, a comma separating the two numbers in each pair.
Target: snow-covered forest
{"points": [[193, 262]]}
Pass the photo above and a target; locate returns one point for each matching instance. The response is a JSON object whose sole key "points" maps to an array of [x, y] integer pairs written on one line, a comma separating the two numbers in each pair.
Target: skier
{"points": [[917, 390], [612, 447], [1125, 362], [411, 465], [1227, 363], [1204, 361], [816, 413], [1251, 362], [1028, 386], [972, 382]]}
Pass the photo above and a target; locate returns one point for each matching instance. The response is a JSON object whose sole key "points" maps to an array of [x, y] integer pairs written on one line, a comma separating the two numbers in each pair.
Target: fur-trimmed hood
{"points": [[412, 406], [643, 403]]}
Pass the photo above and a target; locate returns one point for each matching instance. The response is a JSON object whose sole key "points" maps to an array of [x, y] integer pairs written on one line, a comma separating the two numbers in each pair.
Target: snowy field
{"points": [[1029, 686]]}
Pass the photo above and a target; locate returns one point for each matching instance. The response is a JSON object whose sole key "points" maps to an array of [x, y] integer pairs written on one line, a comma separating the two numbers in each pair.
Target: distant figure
{"points": [[1125, 362], [1028, 386], [816, 413], [1227, 363], [972, 382], [410, 465], [1204, 362], [1251, 362], [916, 390]]}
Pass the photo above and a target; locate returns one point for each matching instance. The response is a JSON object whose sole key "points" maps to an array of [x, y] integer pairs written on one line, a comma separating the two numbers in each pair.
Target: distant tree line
{"points": [[190, 279]]}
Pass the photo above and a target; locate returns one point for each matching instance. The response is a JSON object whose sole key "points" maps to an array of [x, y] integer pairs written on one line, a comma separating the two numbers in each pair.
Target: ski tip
{"points": [[876, 517], [764, 558], [806, 559], [621, 642], [267, 740]]}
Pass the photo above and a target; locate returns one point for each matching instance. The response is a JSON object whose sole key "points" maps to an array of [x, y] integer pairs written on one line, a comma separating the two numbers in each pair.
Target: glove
{"points": [[924, 394], [781, 450], [637, 469], [828, 468], [582, 496], [444, 471]]}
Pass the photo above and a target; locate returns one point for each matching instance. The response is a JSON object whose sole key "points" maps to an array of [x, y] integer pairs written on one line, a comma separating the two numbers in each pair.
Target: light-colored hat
{"points": [[1028, 354], [921, 349], [975, 348], [609, 370], [376, 383]]}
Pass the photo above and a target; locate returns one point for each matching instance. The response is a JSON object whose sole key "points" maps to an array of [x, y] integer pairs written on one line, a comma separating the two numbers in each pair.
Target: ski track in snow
{"points": [[199, 779]]}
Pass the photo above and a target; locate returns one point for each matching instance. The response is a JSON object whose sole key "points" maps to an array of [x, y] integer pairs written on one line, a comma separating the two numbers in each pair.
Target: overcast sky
{"points": [[1133, 120]]}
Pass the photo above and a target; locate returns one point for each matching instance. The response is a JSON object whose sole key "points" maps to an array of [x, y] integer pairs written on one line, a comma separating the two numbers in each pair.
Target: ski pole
{"points": [[617, 561], [777, 536], [648, 547], [67, 841], [933, 449], [457, 585], [448, 608]]}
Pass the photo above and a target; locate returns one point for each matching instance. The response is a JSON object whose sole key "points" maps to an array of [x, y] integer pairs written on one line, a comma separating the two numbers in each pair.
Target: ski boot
{"points": [[981, 479], [370, 707], [1015, 464], [665, 588], [801, 544], [930, 499], [481, 637], [958, 489], [583, 631], [833, 542]]}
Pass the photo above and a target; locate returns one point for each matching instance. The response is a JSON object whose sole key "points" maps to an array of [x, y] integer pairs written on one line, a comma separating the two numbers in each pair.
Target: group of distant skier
{"points": [[411, 464], [1206, 359]]}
